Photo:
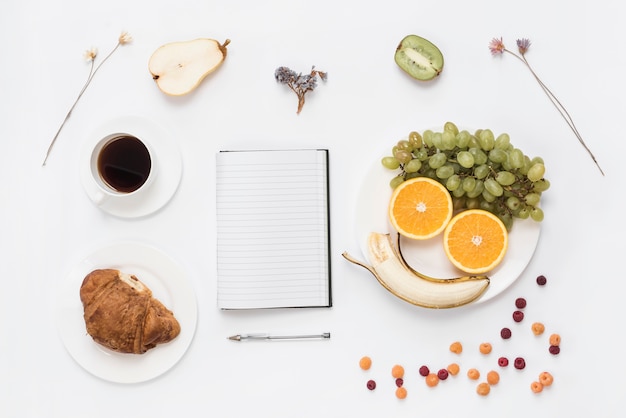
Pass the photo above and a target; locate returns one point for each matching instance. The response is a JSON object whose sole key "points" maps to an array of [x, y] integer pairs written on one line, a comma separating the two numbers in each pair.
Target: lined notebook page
{"points": [[272, 229]]}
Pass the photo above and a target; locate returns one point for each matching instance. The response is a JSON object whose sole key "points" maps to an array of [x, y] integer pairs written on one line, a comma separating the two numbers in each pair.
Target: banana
{"points": [[394, 274]]}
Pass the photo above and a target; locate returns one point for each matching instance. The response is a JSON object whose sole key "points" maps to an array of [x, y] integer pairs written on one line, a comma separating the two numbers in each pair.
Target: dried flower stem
{"points": [[497, 47], [93, 70], [298, 83]]}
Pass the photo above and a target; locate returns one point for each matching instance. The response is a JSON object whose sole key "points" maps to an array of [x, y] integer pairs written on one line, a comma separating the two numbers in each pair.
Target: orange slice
{"points": [[475, 241], [420, 208]]}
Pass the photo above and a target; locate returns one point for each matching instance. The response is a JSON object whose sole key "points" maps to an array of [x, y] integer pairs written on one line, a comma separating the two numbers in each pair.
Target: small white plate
{"points": [[168, 284], [428, 256], [168, 158]]}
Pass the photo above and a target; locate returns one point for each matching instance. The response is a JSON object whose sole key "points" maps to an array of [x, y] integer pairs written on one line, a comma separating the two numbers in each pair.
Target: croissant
{"points": [[121, 314]]}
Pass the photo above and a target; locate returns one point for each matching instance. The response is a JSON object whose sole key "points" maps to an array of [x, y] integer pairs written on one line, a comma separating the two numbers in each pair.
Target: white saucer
{"points": [[168, 283], [167, 155]]}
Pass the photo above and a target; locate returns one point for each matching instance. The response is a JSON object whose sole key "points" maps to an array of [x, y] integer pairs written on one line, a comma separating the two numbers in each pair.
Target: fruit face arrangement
{"points": [[468, 187]]}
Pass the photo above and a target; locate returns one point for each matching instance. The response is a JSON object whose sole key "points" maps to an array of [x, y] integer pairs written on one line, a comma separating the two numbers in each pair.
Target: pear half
{"points": [[179, 67]]}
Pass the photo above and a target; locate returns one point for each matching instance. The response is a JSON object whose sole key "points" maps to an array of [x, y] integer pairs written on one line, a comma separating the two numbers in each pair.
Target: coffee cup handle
{"points": [[99, 197]]}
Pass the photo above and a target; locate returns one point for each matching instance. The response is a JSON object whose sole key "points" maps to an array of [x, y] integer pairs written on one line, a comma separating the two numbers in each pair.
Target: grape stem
{"points": [[559, 106]]}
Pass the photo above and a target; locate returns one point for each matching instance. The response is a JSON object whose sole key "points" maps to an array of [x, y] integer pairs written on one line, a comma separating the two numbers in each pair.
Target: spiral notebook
{"points": [[273, 231]]}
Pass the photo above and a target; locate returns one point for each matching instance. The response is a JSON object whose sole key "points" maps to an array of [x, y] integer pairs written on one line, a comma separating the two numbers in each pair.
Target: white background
{"points": [[48, 225]]}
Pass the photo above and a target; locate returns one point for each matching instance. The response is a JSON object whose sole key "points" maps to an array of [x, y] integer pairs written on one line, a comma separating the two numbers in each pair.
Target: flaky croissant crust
{"points": [[121, 314]]}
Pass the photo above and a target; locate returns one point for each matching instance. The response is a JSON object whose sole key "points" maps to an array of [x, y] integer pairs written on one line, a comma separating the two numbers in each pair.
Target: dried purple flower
{"points": [[299, 83], [523, 45], [496, 46]]}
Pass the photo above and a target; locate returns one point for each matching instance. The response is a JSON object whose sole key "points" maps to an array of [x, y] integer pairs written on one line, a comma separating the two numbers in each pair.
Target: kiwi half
{"points": [[419, 58]]}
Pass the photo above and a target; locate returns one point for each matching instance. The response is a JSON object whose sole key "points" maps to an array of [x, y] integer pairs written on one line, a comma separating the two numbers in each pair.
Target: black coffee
{"points": [[124, 163]]}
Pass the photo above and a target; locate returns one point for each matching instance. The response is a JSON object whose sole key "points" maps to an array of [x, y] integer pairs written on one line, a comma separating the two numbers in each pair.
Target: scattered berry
{"points": [[518, 316], [520, 303], [456, 347], [371, 384], [432, 380], [555, 339], [424, 370], [493, 377], [453, 369], [483, 389], [401, 392], [536, 387], [442, 374], [538, 328], [399, 382], [505, 333], [541, 280], [365, 363], [397, 371], [503, 362], [519, 363], [473, 374], [545, 379], [485, 348], [554, 349]]}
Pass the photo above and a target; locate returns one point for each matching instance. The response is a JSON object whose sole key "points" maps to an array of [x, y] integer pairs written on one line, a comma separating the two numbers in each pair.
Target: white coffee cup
{"points": [[123, 166]]}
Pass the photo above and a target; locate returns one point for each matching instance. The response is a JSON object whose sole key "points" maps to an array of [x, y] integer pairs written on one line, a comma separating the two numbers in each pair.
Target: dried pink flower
{"points": [[496, 46]]}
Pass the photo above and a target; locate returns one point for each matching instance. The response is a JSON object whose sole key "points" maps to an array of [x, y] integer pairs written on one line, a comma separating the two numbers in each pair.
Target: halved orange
{"points": [[475, 241], [420, 208]]}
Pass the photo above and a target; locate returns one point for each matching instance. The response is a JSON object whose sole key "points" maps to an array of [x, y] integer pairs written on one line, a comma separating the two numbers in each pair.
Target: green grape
{"points": [[453, 182], [473, 142], [536, 172], [478, 189], [450, 127], [390, 163], [413, 166], [541, 186], [415, 139], [516, 158], [458, 192], [465, 159], [488, 206], [437, 160], [488, 197], [403, 144], [403, 156], [421, 154], [479, 155], [503, 141], [481, 171], [493, 187], [445, 171], [462, 139], [448, 140], [427, 137], [506, 219], [396, 181], [487, 140], [472, 203], [469, 183], [523, 213], [497, 155], [532, 199], [536, 160], [438, 140], [513, 203], [505, 178], [525, 166], [458, 203], [536, 214]]}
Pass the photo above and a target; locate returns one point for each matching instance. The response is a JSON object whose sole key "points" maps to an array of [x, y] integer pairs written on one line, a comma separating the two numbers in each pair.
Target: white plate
{"points": [[168, 158], [428, 256], [168, 283]]}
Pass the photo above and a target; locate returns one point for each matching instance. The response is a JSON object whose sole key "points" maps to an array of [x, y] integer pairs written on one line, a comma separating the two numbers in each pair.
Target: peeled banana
{"points": [[393, 273]]}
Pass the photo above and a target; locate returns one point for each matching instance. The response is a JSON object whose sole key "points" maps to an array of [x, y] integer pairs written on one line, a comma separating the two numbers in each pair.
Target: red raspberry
{"points": [[554, 349], [424, 371], [541, 280], [399, 382], [371, 384], [519, 363], [520, 303], [442, 374], [503, 362]]}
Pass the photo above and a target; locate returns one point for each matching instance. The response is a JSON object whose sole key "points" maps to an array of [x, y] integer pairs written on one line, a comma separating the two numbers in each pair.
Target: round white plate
{"points": [[168, 283], [167, 157], [428, 256]]}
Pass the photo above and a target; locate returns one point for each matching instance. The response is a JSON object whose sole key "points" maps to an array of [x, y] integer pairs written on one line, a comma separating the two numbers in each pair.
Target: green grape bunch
{"points": [[480, 170]]}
